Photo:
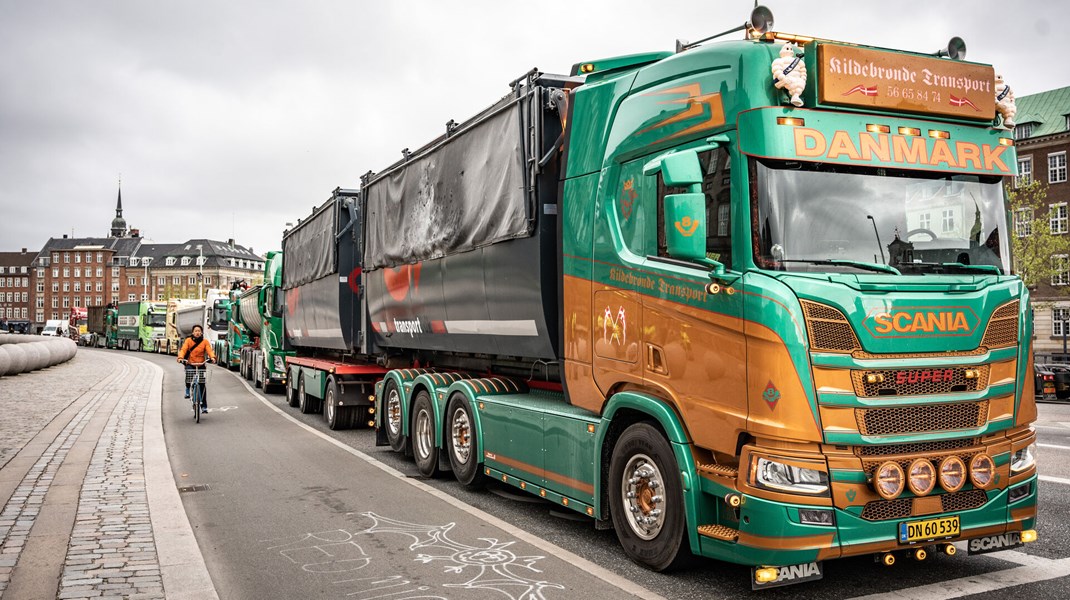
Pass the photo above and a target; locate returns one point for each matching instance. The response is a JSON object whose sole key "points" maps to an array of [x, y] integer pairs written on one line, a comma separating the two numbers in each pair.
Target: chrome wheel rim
{"points": [[642, 490], [423, 435], [461, 433], [393, 412], [330, 406]]}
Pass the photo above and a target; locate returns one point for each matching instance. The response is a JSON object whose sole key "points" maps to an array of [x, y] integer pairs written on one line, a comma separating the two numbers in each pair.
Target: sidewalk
{"points": [[78, 443]]}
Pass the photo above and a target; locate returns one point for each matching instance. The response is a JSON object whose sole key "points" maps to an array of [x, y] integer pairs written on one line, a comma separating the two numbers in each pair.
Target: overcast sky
{"points": [[228, 119]]}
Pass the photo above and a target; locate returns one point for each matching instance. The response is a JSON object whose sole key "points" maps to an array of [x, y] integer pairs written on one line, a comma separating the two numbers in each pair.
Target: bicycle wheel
{"points": [[195, 394]]}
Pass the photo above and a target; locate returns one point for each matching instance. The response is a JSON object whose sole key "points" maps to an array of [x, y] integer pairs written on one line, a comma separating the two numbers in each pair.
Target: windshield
{"points": [[820, 217], [157, 319]]}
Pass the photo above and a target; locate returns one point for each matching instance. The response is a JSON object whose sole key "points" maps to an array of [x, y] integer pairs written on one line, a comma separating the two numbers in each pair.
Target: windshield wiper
{"points": [[858, 264], [985, 269]]}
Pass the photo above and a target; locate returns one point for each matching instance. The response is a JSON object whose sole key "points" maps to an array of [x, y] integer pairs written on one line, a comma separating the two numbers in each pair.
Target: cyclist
{"points": [[195, 349]]}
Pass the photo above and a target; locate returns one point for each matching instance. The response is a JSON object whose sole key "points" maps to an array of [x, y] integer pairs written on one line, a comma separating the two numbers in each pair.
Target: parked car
{"points": [[1045, 383], [1062, 379]]}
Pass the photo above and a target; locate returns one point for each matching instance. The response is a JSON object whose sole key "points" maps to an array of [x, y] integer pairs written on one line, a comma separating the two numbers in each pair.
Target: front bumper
{"points": [[772, 534]]}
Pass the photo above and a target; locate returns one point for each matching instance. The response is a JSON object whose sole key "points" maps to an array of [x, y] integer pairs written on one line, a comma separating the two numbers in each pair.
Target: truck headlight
{"points": [[280, 364], [778, 476], [1024, 458]]}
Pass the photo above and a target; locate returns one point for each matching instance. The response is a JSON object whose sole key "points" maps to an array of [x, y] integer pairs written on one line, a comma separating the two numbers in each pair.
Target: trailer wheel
{"points": [[304, 401], [646, 499], [424, 448], [392, 417], [337, 417], [463, 443], [291, 391]]}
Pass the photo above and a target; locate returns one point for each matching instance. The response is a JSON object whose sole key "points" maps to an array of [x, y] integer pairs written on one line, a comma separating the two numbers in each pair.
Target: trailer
{"points": [[237, 335], [102, 324]]}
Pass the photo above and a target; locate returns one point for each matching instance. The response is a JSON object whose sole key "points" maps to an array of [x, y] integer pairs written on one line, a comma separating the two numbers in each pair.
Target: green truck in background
{"points": [[141, 325], [237, 336], [263, 360], [103, 325]]}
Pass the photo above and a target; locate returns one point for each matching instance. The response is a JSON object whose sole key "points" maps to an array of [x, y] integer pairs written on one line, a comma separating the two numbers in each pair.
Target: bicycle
{"points": [[197, 379]]}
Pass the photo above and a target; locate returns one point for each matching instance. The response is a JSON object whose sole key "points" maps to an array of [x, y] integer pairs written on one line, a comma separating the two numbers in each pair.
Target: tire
{"points": [[291, 389], [647, 500], [195, 398], [462, 443], [337, 417], [392, 417], [424, 448], [304, 401]]}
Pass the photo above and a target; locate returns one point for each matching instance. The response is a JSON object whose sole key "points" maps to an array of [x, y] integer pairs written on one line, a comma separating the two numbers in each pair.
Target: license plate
{"points": [[928, 530]]}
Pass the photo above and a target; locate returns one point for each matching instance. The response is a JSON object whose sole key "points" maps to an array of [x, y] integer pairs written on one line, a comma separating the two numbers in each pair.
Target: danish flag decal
{"points": [[963, 101], [861, 89]]}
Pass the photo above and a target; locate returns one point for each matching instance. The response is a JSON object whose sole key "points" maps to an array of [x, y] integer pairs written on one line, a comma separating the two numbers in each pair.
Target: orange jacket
{"points": [[196, 354]]}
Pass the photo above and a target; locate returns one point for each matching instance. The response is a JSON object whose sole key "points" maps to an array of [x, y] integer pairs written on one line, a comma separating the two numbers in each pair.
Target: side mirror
{"points": [[677, 169], [685, 226]]}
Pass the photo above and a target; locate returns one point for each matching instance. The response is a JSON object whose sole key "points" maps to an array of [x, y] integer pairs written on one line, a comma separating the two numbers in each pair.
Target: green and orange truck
{"points": [[750, 300]]}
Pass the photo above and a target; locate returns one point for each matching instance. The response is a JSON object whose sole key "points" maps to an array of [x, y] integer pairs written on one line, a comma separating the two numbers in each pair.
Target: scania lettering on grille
{"points": [[791, 574], [924, 376], [994, 543], [922, 321]]}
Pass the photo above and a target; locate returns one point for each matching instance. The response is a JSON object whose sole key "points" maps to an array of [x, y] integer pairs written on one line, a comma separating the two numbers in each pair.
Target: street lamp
{"points": [[145, 281], [200, 272], [1064, 313]]}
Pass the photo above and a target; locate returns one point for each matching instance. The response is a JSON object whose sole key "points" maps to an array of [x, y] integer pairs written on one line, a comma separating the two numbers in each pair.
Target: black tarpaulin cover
{"points": [[463, 195], [309, 250]]}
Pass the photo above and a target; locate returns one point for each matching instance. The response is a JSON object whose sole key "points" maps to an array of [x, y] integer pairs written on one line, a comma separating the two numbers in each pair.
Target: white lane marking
{"points": [[1054, 446], [1038, 569], [1050, 479], [584, 564]]}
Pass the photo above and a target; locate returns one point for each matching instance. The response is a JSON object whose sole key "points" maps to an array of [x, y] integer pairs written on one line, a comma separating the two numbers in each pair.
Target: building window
{"points": [[1059, 318], [25, 296], [55, 257], [176, 280], [207, 280], [115, 271], [66, 271], [159, 297], [40, 287], [100, 272], [129, 281], [77, 258], [40, 316], [88, 257], [1060, 264], [77, 286], [192, 280], [100, 300], [100, 286], [55, 271], [77, 271], [100, 257], [134, 261], [185, 260], [144, 297], [66, 257], [114, 287], [170, 261], [1057, 218], [1057, 167], [131, 297], [55, 286], [66, 286], [925, 221], [948, 220], [66, 302], [1023, 131]]}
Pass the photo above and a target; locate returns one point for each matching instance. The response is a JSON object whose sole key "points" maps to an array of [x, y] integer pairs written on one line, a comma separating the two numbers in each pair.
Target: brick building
{"points": [[16, 285], [1042, 134], [71, 272], [191, 268]]}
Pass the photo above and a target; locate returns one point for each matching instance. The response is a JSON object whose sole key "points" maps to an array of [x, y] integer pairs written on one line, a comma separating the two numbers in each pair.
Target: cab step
{"points": [[719, 470], [719, 532]]}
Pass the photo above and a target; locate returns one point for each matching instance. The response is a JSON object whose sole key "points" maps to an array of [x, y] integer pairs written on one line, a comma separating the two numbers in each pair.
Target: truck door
{"points": [[693, 343]]}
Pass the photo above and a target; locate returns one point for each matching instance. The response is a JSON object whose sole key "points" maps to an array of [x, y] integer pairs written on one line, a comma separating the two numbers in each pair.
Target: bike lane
{"points": [[281, 510]]}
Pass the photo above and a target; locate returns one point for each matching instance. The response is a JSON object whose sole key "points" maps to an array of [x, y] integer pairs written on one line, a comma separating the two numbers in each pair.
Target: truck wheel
{"points": [[463, 442], [392, 417], [291, 389], [424, 448], [337, 417], [646, 499]]}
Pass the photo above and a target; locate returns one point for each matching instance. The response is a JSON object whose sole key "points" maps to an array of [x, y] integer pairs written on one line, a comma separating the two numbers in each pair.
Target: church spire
{"points": [[118, 224]]}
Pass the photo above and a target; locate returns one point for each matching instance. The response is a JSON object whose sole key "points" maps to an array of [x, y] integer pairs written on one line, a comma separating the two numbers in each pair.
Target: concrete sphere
{"points": [[60, 352], [72, 349], [18, 358], [36, 356], [5, 361]]}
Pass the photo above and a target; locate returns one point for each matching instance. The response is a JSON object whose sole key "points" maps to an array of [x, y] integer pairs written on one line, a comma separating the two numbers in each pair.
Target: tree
{"points": [[1039, 254]]}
